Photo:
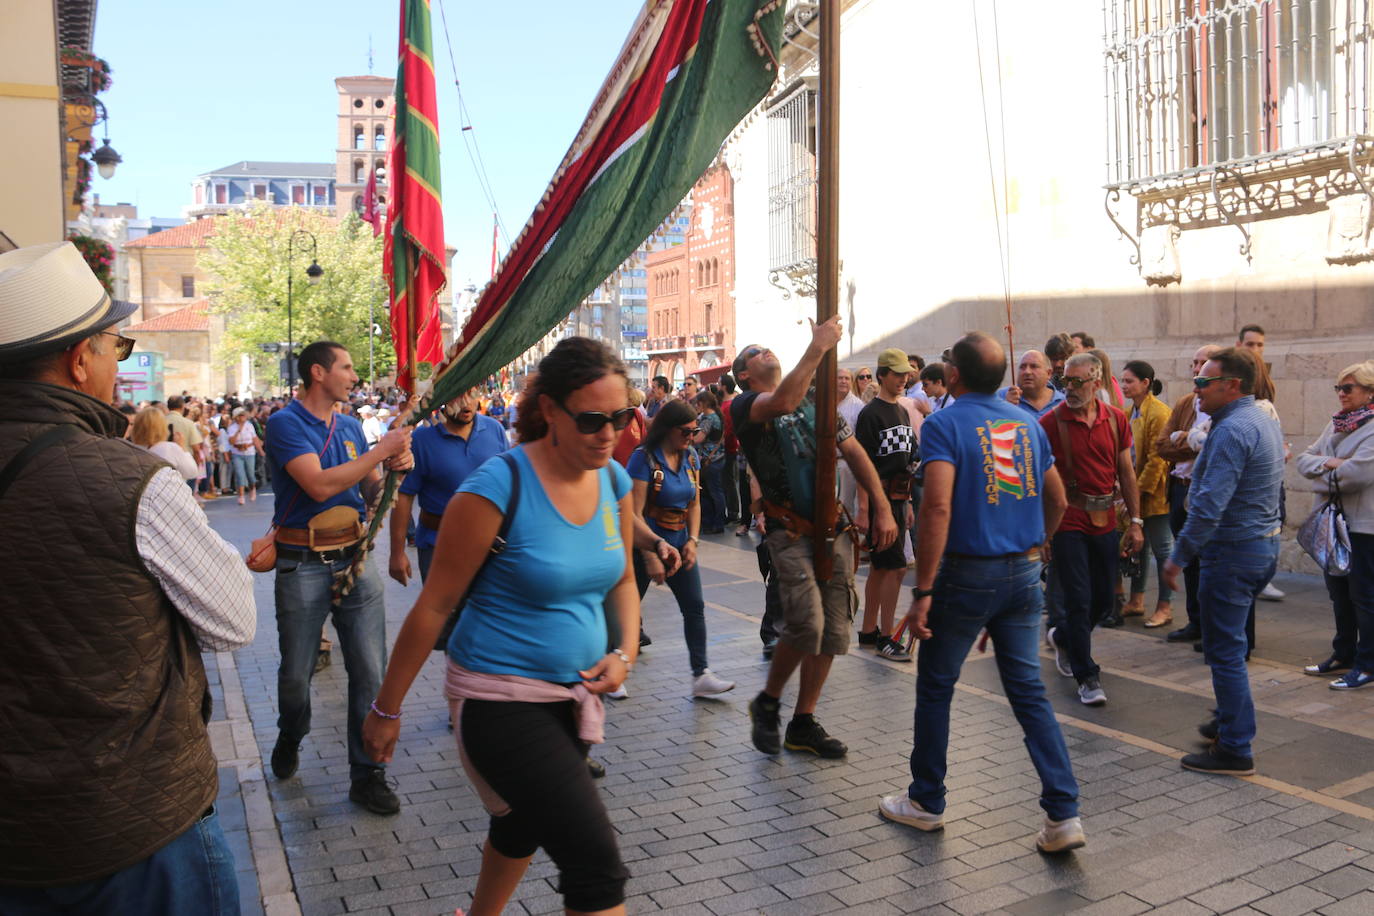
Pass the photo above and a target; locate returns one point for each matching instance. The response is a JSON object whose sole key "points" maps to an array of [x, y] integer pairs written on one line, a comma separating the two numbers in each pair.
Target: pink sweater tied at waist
{"points": [[462, 684]]}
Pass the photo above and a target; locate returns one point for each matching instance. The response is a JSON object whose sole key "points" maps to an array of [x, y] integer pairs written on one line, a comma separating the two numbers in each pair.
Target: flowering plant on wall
{"points": [[100, 70], [99, 255]]}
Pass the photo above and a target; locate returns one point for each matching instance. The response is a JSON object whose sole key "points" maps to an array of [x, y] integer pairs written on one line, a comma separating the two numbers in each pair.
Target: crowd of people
{"points": [[542, 522]]}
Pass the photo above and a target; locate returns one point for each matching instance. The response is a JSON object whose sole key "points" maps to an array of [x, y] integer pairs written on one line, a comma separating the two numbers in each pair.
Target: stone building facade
{"points": [[691, 320]]}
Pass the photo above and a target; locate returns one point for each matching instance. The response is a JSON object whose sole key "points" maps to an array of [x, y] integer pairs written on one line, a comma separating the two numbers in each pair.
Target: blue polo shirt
{"points": [[1000, 457], [443, 461], [677, 491], [1055, 397], [295, 431]]}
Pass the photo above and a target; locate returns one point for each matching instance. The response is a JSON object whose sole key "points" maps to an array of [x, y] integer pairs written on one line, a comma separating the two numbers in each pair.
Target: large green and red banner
{"points": [[413, 253], [688, 73]]}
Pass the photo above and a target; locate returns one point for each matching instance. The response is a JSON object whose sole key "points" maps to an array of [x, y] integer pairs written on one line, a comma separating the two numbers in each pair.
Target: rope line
{"points": [[999, 213]]}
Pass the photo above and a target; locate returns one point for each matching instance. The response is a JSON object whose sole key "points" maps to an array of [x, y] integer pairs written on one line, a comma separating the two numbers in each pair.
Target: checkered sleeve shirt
{"points": [[201, 573]]}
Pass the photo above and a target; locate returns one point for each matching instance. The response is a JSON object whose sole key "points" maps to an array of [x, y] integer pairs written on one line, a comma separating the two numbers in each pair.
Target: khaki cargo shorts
{"points": [[816, 618]]}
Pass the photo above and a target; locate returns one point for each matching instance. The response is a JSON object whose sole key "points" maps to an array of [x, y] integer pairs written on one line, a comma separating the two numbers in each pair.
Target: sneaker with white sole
{"points": [[1061, 836], [1269, 593], [1090, 693], [707, 684], [903, 810], [892, 650], [1061, 663], [619, 693]]}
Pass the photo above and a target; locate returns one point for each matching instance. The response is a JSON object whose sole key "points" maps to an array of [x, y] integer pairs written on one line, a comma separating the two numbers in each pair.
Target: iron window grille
{"points": [[791, 124]]}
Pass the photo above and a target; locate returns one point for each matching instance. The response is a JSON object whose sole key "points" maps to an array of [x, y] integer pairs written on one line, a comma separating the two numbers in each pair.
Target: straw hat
{"points": [[49, 300]]}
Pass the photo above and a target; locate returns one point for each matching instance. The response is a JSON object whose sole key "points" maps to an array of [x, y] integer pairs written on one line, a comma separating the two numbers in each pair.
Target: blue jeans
{"points": [[1352, 600], [244, 473], [302, 589], [1231, 574], [193, 874], [1160, 540], [685, 585], [1002, 595], [1086, 564], [712, 496]]}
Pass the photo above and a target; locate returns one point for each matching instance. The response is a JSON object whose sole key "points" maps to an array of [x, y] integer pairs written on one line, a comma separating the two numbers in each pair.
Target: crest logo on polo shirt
{"points": [[610, 520], [352, 448], [1006, 460]]}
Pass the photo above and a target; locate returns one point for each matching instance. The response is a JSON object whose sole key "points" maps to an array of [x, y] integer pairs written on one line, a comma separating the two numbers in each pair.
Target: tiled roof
{"points": [[276, 169], [187, 235], [194, 317]]}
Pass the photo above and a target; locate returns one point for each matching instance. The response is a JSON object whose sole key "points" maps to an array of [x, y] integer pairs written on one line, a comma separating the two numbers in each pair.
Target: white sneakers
{"points": [[619, 693], [903, 810], [707, 684], [1269, 593], [1061, 836]]}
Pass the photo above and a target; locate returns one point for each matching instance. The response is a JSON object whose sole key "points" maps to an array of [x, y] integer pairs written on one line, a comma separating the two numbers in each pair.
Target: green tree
{"points": [[246, 261]]}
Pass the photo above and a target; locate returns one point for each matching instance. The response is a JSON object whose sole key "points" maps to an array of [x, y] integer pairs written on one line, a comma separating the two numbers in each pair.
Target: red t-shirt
{"points": [[728, 429], [1094, 464]]}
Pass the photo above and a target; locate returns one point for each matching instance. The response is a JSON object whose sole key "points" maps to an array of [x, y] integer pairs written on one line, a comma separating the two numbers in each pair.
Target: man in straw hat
{"points": [[107, 779]]}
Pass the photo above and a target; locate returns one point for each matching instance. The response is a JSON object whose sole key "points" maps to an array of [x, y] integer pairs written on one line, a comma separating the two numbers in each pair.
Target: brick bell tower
{"points": [[366, 104]]}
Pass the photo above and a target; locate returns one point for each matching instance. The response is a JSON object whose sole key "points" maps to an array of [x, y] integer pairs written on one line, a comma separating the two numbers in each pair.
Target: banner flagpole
{"points": [[827, 282]]}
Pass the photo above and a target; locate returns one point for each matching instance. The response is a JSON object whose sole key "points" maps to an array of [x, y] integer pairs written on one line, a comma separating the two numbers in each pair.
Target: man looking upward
{"points": [[1032, 391]]}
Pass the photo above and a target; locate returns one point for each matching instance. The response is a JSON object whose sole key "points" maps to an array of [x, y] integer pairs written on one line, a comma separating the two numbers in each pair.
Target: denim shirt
{"points": [[1236, 480]]}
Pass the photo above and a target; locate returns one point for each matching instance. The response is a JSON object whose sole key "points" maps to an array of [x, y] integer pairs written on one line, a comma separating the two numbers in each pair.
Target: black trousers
{"points": [[1178, 515], [529, 753]]}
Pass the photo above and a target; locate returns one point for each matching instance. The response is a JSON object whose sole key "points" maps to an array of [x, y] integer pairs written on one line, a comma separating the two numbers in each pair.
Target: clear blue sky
{"points": [[201, 85]]}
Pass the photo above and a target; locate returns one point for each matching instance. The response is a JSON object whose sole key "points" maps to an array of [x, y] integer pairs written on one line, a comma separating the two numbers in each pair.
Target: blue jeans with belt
{"points": [[1003, 595], [1230, 575], [303, 590], [193, 873]]}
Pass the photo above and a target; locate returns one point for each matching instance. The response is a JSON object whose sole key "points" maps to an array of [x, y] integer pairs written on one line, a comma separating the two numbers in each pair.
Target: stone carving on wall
{"points": [[1347, 233], [1159, 263]]}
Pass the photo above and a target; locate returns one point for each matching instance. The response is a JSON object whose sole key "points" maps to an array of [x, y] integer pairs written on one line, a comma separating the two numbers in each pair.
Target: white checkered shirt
{"points": [[203, 575]]}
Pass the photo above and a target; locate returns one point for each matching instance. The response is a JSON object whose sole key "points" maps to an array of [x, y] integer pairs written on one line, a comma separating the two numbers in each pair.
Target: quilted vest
{"points": [[104, 755]]}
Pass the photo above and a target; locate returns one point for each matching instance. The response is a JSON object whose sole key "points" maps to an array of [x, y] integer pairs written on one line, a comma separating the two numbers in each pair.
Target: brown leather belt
{"points": [[671, 519], [1033, 553], [319, 538], [431, 520]]}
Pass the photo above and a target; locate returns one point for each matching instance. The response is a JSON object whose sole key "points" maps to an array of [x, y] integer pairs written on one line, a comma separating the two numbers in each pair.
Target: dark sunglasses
{"points": [[862, 378], [751, 353], [1202, 381], [689, 430], [589, 422], [1347, 387], [123, 345]]}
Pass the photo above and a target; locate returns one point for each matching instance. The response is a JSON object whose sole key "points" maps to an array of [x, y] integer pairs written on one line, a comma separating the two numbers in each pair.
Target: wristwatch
{"points": [[917, 593], [1138, 521]]}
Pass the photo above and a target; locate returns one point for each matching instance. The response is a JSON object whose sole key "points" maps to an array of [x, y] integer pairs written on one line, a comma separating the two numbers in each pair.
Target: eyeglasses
{"points": [[1075, 382], [123, 345], [862, 378], [589, 422], [1347, 387], [1202, 381], [751, 353], [689, 430]]}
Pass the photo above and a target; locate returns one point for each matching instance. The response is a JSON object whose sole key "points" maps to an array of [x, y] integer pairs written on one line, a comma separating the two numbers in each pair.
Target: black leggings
{"points": [[529, 753]]}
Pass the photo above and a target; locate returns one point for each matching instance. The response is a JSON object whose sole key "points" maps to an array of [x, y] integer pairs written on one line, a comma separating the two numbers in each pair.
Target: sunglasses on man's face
{"points": [[123, 345], [1202, 381], [1347, 387], [1075, 382], [589, 422]]}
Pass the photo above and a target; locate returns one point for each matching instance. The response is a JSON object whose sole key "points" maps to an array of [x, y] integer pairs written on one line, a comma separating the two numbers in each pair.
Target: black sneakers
{"points": [[286, 756], [869, 640], [763, 712], [804, 733], [891, 650], [373, 793], [1219, 761]]}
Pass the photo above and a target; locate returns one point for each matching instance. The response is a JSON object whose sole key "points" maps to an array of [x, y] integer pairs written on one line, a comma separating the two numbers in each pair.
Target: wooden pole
{"points": [[412, 333], [827, 279]]}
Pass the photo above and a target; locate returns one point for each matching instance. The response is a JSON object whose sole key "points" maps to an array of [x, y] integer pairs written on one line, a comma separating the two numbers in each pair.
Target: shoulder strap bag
{"points": [[497, 546], [262, 553], [1325, 536]]}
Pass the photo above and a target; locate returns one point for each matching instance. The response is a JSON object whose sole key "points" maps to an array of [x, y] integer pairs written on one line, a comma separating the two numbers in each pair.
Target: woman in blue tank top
{"points": [[527, 661]]}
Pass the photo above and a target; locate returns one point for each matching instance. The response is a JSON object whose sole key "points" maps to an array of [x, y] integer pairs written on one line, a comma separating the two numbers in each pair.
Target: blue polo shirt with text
{"points": [[1000, 457], [443, 461], [295, 431]]}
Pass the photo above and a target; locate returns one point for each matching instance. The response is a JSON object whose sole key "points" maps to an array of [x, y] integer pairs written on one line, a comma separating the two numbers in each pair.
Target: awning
{"points": [[708, 374]]}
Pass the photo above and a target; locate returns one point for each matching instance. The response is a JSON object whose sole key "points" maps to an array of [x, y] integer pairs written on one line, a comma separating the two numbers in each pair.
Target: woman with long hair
{"points": [[1110, 391], [1149, 416], [710, 446], [1343, 458], [151, 430], [527, 661], [666, 472]]}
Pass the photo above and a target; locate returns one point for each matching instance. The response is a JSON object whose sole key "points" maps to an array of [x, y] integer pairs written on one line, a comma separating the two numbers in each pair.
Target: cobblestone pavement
{"points": [[708, 825]]}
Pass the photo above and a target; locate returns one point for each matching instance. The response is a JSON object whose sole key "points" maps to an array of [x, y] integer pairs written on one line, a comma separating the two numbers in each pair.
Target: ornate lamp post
{"points": [[312, 274]]}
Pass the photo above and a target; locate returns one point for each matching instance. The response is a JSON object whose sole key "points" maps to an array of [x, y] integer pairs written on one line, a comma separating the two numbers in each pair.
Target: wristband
{"points": [[623, 657], [384, 715], [1138, 521], [693, 539], [917, 593]]}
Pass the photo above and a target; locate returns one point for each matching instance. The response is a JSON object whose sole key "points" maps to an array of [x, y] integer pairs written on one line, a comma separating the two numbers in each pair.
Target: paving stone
{"points": [[1342, 882], [1229, 896], [1361, 904], [1292, 902]]}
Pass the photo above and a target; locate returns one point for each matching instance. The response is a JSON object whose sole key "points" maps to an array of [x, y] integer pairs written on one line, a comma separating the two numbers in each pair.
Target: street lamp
{"points": [[312, 274]]}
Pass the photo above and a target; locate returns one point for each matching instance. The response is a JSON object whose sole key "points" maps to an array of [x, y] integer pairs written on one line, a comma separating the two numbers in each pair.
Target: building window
{"points": [[357, 103], [1194, 83], [791, 127], [221, 194], [259, 192], [359, 175], [359, 139], [707, 316], [188, 287], [298, 194], [379, 138], [321, 195]]}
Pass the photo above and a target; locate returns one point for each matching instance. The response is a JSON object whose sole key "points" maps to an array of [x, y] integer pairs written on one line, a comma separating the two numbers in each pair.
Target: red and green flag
{"points": [[413, 252], [687, 75]]}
